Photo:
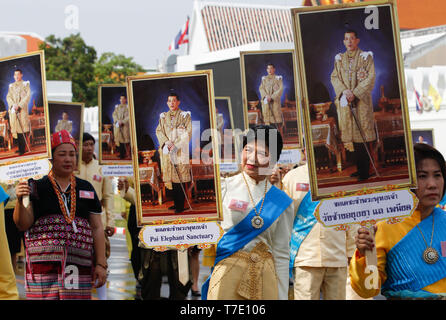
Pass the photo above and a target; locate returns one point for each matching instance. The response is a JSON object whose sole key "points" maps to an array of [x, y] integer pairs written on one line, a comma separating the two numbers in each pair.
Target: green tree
{"points": [[114, 68], [72, 59]]}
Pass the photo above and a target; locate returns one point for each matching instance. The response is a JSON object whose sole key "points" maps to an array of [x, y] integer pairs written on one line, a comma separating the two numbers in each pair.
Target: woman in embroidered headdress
{"points": [[411, 254], [65, 246], [252, 256]]}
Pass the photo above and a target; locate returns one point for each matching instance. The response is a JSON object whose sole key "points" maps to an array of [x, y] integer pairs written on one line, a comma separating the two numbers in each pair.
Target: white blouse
{"points": [[276, 237]]}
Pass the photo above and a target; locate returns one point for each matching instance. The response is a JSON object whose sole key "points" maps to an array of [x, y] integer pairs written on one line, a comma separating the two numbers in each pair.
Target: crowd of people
{"points": [[272, 248]]}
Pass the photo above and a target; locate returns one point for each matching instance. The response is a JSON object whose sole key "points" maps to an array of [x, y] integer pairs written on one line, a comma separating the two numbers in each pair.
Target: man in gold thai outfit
{"points": [[121, 127], [271, 89], [64, 123], [174, 133], [353, 79], [18, 97]]}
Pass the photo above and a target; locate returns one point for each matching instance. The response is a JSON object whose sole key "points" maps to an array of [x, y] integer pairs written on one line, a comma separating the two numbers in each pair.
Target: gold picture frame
{"points": [[54, 113], [423, 133], [226, 103], [253, 67], [317, 58], [108, 98], [38, 139], [148, 96]]}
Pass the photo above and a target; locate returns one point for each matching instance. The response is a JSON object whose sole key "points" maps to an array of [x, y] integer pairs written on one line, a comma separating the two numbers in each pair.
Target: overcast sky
{"points": [[142, 29]]}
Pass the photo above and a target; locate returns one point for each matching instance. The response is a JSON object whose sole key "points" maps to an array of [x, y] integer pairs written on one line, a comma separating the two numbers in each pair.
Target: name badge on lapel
{"points": [[302, 187], [86, 194], [97, 178], [238, 205]]}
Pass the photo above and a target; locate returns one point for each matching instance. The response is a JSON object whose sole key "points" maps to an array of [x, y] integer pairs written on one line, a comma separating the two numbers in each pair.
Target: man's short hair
{"points": [[19, 70], [174, 94], [123, 95], [87, 137], [270, 64], [352, 31]]}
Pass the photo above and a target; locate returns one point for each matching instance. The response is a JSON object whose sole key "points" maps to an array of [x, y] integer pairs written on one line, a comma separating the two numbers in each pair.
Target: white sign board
{"points": [[117, 170], [24, 170], [175, 235], [289, 156], [228, 167], [367, 207]]}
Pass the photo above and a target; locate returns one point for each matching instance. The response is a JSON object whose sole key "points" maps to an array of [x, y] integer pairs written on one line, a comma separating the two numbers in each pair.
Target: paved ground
{"points": [[121, 284]]}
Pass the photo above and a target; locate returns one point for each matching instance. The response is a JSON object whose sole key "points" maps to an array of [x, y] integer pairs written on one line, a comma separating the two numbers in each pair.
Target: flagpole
{"points": [[188, 40]]}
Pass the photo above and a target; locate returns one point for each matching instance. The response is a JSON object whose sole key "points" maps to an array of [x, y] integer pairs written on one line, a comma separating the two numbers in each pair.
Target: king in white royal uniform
{"points": [[18, 97], [174, 133]]}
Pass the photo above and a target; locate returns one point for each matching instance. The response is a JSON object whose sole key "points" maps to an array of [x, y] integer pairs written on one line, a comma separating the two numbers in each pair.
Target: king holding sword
{"points": [[174, 133], [19, 94]]}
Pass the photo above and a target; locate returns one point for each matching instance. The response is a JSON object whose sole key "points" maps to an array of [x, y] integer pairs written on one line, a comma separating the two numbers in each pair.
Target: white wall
{"points": [[420, 79], [433, 120], [187, 63], [59, 91], [11, 45]]}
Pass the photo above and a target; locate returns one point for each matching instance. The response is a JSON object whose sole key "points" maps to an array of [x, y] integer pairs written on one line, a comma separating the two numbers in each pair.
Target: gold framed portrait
{"points": [[68, 116], [173, 126], [354, 104], [423, 135], [24, 129], [270, 96], [229, 146], [114, 125]]}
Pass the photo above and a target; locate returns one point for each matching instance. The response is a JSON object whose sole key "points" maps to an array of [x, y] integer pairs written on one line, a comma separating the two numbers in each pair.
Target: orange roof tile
{"points": [[232, 26], [417, 14], [32, 43]]}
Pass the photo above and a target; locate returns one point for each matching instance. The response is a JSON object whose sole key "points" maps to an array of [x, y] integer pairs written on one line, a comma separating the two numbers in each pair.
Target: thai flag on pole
{"points": [[182, 37], [418, 102]]}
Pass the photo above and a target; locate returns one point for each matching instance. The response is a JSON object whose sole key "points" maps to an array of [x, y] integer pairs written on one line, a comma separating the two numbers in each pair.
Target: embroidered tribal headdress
{"points": [[62, 136]]}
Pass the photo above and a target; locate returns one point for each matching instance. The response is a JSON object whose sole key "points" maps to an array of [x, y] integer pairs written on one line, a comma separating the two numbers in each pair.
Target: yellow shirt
{"points": [[102, 185], [322, 247], [8, 288], [387, 235]]}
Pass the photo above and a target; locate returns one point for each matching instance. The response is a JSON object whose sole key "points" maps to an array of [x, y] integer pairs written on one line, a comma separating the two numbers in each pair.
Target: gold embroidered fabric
{"points": [[247, 275], [356, 73]]}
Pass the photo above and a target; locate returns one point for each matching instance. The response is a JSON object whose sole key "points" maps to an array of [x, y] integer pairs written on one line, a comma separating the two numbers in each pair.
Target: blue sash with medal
{"points": [[276, 202], [303, 223], [407, 272]]}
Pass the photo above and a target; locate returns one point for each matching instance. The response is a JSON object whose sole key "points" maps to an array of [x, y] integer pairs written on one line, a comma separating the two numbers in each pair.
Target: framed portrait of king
{"points": [[114, 125], [423, 136], [228, 136], [68, 116], [24, 127], [269, 92], [174, 135], [354, 103]]}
